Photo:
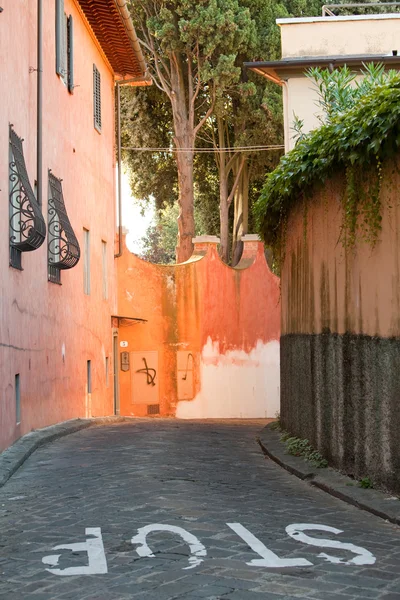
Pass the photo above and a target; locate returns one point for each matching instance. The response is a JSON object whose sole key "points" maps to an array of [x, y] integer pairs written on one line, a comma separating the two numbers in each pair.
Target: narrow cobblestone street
{"points": [[199, 476]]}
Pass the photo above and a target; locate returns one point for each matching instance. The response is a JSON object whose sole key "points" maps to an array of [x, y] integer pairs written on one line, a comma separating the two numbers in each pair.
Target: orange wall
{"points": [[38, 318], [228, 319], [326, 287]]}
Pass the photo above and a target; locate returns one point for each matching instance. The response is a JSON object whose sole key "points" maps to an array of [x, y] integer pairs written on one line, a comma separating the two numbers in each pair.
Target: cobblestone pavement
{"points": [[198, 476]]}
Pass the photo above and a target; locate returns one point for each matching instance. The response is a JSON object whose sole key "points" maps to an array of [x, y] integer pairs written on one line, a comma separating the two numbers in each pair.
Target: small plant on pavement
{"points": [[366, 483], [276, 425], [298, 447]]}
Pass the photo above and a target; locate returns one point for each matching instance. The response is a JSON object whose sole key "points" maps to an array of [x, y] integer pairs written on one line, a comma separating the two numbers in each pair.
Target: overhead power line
{"points": [[209, 150]]}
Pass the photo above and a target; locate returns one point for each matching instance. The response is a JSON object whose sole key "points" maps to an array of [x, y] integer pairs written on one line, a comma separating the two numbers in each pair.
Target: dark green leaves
{"points": [[362, 135]]}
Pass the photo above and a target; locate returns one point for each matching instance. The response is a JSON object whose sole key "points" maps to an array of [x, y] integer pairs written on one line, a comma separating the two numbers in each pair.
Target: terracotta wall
{"points": [[49, 332], [340, 345], [211, 334]]}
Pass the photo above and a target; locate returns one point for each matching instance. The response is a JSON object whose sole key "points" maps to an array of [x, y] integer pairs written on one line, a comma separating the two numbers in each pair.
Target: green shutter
{"points": [[59, 35], [96, 98], [70, 36]]}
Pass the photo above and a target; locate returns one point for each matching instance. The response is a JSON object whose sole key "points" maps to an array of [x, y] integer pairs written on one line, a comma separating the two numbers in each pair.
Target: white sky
{"points": [[132, 219]]}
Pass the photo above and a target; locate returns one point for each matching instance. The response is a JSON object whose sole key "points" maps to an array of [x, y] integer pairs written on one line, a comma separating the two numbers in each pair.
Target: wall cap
{"points": [[206, 239], [251, 237]]}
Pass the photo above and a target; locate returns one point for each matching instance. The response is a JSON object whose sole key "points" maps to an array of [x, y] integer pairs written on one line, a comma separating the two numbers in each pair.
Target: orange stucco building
{"points": [[59, 62]]}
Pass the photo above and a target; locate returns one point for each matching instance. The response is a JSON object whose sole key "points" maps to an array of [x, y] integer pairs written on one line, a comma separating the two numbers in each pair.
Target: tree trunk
{"points": [[224, 227], [223, 192], [186, 228], [241, 215], [184, 140]]}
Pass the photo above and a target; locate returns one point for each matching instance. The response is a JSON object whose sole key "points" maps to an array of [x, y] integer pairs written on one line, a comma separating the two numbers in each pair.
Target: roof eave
{"points": [[130, 30], [279, 70], [111, 26]]}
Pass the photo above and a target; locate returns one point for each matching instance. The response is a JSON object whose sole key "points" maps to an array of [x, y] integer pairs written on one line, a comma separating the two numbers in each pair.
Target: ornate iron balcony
{"points": [[27, 226], [63, 247]]}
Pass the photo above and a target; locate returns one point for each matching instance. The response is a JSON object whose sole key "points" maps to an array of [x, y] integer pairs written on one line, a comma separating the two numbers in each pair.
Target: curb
{"points": [[328, 480], [14, 456]]}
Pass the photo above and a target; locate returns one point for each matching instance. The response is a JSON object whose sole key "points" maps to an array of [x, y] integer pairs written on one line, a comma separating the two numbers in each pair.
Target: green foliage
{"points": [[356, 140], [366, 483], [147, 123], [209, 40], [339, 90], [297, 128], [161, 236], [298, 447]]}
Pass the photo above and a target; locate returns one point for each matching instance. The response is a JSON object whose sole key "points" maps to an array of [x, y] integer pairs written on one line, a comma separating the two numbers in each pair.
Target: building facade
{"points": [[57, 207], [327, 42]]}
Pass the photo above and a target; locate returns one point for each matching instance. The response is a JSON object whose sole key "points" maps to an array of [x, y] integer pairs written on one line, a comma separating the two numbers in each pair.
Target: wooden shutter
{"points": [[70, 45], [96, 98], [59, 35], [64, 55]]}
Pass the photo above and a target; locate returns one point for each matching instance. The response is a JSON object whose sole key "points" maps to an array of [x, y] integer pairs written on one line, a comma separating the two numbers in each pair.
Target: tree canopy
{"points": [[197, 50]]}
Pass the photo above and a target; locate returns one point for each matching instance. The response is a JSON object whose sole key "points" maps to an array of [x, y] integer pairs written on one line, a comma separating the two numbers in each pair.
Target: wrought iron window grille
{"points": [[54, 274], [26, 222], [63, 247]]}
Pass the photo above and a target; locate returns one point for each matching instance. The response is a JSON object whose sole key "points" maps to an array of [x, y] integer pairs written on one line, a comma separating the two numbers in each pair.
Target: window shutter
{"points": [[96, 98], [59, 34], [70, 32], [64, 62]]}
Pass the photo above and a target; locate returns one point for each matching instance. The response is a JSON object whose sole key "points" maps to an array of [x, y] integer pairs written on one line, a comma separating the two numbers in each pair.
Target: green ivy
{"points": [[355, 142]]}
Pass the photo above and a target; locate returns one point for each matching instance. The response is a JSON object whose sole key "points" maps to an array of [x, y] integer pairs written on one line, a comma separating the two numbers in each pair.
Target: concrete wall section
{"points": [[215, 331], [340, 345], [345, 35], [236, 384]]}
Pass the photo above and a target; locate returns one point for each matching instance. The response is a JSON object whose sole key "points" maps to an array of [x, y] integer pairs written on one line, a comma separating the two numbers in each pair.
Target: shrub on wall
{"points": [[354, 142]]}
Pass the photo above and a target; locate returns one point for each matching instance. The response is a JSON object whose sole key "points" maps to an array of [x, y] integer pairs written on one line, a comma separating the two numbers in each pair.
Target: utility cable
{"points": [[209, 150]]}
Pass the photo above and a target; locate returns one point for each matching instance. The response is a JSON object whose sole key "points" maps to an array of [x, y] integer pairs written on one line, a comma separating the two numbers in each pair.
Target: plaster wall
{"points": [[49, 332], [215, 330], [346, 35], [340, 345]]}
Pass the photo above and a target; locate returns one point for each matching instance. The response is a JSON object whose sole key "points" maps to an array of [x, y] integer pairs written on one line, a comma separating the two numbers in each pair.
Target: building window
{"points": [[17, 399], [107, 371], [64, 46], [86, 261], [96, 98], [70, 53], [63, 247], [89, 376], [26, 223], [104, 269]]}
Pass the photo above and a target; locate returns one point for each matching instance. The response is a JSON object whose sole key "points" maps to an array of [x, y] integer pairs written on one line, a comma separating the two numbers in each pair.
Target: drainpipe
{"points": [[286, 115], [39, 136], [119, 163]]}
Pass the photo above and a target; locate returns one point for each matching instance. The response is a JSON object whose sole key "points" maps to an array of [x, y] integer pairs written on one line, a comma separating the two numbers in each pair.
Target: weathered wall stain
{"points": [[216, 331], [340, 345]]}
